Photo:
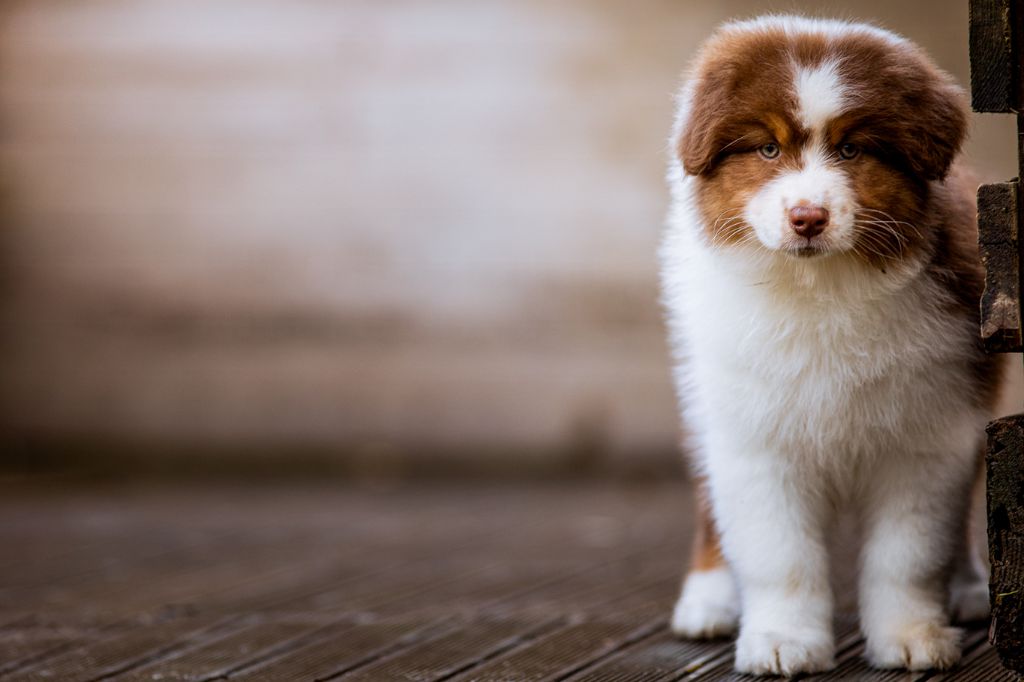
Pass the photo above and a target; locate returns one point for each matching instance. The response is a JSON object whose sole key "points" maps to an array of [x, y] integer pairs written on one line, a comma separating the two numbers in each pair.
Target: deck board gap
{"points": [[283, 648], [445, 626], [180, 643], [644, 632]]}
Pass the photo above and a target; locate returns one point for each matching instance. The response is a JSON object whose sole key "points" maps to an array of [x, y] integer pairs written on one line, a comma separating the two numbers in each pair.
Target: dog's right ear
{"points": [[702, 135]]}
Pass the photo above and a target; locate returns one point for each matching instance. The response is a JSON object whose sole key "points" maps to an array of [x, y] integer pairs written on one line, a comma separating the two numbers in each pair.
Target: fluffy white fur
{"points": [[809, 386], [709, 605]]}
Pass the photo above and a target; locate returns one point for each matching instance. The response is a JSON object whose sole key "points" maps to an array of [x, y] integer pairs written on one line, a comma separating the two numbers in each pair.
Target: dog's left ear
{"points": [[934, 129]]}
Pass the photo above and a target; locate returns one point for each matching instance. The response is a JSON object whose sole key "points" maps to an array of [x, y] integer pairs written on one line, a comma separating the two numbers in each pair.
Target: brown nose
{"points": [[808, 221]]}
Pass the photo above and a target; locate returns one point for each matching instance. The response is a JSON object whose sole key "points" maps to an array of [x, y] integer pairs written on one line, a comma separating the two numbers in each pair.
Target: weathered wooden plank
{"points": [[1000, 254], [463, 649], [993, 65], [644, 586], [563, 652], [1005, 462], [117, 653], [329, 657], [222, 655], [662, 657], [22, 648]]}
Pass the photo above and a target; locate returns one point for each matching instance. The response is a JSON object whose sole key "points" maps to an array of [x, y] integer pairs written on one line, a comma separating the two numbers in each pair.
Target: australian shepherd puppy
{"points": [[821, 280]]}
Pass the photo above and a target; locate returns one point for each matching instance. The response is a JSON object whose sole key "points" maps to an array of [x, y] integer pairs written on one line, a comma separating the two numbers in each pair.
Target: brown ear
{"points": [[941, 127], [932, 130], [702, 138]]}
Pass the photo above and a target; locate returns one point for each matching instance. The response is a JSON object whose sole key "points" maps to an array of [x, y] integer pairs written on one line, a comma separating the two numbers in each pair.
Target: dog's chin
{"points": [[805, 252], [808, 249]]}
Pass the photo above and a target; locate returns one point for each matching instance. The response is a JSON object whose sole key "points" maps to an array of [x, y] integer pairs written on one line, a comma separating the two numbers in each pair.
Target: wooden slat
{"points": [[21, 649], [1000, 254], [639, 579], [561, 653], [1005, 471], [333, 656], [662, 657], [238, 649], [993, 67], [464, 649], [117, 653]]}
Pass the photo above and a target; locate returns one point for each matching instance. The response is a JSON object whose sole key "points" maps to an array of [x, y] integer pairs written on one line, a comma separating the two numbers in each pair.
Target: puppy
{"points": [[821, 281]]}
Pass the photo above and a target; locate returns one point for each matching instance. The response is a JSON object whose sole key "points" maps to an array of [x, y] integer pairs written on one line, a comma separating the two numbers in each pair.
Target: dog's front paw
{"points": [[781, 653], [708, 607], [923, 646]]}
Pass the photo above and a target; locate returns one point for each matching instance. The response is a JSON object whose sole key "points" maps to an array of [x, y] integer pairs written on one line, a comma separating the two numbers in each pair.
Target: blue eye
{"points": [[770, 150], [849, 151]]}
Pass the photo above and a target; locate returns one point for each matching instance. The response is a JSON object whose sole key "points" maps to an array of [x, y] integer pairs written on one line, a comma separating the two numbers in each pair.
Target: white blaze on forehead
{"points": [[819, 94]]}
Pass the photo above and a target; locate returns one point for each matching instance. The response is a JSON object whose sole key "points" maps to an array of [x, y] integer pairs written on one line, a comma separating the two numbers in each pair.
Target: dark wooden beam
{"points": [[1000, 254], [994, 65], [1005, 461], [997, 86]]}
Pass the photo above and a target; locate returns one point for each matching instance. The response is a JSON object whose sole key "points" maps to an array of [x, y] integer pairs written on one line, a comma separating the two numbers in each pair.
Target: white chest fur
{"points": [[812, 359]]}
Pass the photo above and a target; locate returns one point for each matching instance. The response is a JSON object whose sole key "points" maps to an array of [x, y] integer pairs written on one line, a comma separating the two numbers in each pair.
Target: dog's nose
{"points": [[808, 221]]}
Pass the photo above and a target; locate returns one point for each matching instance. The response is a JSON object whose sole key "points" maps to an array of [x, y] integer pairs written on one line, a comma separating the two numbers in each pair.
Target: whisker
{"points": [[902, 238], [889, 219], [873, 244], [740, 139]]}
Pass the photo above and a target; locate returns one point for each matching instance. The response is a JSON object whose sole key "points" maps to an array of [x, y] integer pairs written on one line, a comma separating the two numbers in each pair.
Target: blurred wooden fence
{"points": [[393, 229]]}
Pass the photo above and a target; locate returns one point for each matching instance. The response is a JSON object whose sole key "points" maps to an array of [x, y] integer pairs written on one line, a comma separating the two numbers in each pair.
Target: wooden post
{"points": [[1006, 538], [997, 32], [995, 84]]}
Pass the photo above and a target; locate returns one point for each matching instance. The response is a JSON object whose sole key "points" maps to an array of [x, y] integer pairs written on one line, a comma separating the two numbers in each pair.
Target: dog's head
{"points": [[813, 138]]}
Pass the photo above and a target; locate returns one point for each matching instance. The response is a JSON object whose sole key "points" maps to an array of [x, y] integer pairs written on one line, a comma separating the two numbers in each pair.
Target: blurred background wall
{"points": [[391, 233]]}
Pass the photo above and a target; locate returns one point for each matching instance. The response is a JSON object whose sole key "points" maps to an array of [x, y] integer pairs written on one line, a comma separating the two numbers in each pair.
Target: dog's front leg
{"points": [[772, 533], [913, 521]]}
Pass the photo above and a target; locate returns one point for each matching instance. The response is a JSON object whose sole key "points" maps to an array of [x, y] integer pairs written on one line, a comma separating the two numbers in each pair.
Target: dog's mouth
{"points": [[806, 250]]}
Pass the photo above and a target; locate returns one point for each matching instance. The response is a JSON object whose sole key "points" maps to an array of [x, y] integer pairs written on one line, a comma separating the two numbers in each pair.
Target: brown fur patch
{"points": [[706, 554], [911, 114], [906, 114], [742, 93], [891, 218], [727, 191], [914, 113], [956, 265]]}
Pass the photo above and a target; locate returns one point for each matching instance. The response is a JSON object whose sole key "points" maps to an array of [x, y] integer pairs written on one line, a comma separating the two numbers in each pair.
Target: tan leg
{"points": [[709, 603], [706, 553]]}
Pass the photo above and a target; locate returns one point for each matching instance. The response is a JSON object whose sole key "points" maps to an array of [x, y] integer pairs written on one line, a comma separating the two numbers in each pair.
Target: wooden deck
{"points": [[467, 582]]}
